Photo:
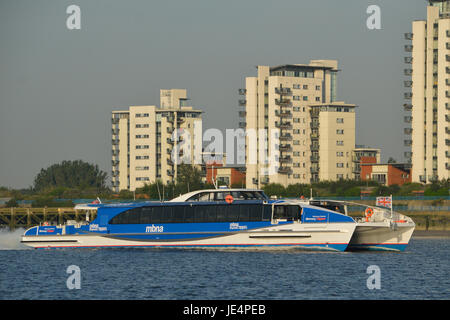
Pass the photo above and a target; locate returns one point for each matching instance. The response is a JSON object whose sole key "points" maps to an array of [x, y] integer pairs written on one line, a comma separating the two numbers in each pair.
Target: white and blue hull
{"points": [[334, 237]]}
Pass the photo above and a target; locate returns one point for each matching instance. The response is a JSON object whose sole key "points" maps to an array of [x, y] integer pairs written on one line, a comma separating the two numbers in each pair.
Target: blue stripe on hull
{"points": [[315, 246], [378, 246]]}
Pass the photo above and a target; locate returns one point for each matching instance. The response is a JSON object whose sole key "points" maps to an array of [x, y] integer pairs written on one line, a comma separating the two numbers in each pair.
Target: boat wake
{"points": [[10, 240]]}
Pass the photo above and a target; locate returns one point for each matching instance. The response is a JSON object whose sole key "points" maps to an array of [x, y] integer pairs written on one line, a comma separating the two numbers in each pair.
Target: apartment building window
{"points": [[339, 176], [296, 108], [339, 165], [305, 98], [340, 131], [317, 87], [142, 168], [339, 154], [318, 99], [339, 120], [295, 97], [296, 131], [296, 154], [142, 125], [296, 164], [339, 143], [142, 179], [305, 86], [141, 115], [296, 86], [296, 120], [142, 147], [142, 136], [142, 157], [296, 176], [296, 142]]}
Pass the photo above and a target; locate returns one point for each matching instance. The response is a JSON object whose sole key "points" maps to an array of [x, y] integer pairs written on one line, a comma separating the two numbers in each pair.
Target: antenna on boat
{"points": [[159, 194]]}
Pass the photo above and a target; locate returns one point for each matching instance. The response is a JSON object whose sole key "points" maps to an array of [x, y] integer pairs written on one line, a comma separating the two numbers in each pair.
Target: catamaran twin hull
{"points": [[381, 236]]}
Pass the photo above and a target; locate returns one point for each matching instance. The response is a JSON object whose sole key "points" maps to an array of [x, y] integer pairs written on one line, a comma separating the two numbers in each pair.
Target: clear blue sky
{"points": [[59, 86]]}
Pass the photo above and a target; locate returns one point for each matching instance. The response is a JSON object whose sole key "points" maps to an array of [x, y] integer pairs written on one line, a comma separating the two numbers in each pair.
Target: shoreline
{"points": [[431, 234]]}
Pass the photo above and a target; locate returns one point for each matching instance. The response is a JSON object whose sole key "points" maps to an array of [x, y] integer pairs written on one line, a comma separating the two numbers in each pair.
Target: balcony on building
{"points": [[408, 106], [283, 91], [408, 154], [447, 166], [115, 131], [408, 95], [447, 130], [314, 124], [447, 32], [447, 45], [169, 141], [283, 102], [286, 159], [285, 137], [447, 94], [314, 147], [283, 114], [115, 142], [170, 119], [447, 106], [407, 84], [315, 158], [447, 69], [447, 142], [242, 92], [423, 178], [315, 135], [447, 117], [408, 72], [242, 102], [408, 36], [408, 60], [284, 170], [283, 125], [314, 169], [408, 143], [285, 147], [242, 125], [447, 57], [408, 131], [170, 173], [114, 162], [242, 114], [170, 162], [407, 119], [447, 154], [408, 48]]}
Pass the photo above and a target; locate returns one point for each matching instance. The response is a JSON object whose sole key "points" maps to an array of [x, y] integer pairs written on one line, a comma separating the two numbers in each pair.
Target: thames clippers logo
{"points": [[153, 228]]}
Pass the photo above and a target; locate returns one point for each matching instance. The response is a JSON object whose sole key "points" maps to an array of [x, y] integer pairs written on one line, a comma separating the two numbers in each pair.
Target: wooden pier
{"points": [[13, 218]]}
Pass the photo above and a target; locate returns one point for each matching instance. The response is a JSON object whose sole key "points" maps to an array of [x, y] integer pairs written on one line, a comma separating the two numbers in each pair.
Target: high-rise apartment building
{"points": [[149, 141], [429, 98], [291, 101]]}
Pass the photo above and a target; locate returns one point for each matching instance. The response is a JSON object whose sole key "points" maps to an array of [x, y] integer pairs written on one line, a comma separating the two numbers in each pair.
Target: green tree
{"points": [[189, 178], [70, 174]]}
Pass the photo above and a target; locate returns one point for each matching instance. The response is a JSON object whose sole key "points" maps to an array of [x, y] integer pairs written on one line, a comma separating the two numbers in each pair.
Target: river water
{"points": [[421, 272]]}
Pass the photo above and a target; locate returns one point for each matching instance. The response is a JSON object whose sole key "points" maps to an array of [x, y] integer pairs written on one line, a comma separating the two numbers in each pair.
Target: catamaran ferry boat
{"points": [[216, 218]]}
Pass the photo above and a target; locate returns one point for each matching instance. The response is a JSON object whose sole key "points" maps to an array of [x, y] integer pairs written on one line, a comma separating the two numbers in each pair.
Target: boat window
{"points": [[197, 213], [267, 213], [287, 212]]}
